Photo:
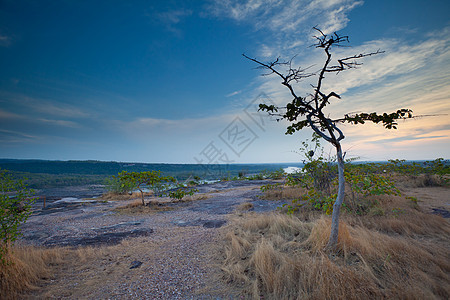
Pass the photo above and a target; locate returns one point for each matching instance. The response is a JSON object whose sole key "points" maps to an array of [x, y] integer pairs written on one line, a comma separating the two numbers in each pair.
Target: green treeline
{"points": [[41, 180], [47, 174]]}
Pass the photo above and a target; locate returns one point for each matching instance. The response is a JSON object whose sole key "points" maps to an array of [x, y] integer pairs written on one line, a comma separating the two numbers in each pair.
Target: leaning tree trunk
{"points": [[340, 198], [142, 196]]}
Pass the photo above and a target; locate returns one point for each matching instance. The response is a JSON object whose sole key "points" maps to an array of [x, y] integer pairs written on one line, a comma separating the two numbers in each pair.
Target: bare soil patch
{"points": [[430, 198]]}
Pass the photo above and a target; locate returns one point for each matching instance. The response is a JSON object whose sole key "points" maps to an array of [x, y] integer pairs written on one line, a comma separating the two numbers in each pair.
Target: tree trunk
{"points": [[142, 196], [340, 198]]}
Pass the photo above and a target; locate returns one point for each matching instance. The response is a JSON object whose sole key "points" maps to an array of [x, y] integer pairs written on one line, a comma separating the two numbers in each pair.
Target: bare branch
{"points": [[344, 65]]}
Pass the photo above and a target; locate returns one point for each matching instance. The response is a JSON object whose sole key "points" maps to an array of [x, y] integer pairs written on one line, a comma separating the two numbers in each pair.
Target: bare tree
{"points": [[308, 111]]}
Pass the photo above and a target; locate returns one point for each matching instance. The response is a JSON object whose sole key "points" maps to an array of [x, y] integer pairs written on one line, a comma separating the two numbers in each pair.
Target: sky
{"points": [[165, 81]]}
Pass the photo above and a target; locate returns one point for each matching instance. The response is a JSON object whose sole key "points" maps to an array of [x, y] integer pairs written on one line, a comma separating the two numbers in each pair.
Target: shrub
{"points": [[152, 179], [15, 208], [180, 193], [319, 178], [115, 186]]}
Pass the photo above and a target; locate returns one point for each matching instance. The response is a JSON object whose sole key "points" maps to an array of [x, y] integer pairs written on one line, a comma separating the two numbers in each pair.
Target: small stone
{"points": [[135, 264]]}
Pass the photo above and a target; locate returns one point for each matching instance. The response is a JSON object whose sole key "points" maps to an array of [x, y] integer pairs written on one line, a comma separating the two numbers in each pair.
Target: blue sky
{"points": [[164, 81]]}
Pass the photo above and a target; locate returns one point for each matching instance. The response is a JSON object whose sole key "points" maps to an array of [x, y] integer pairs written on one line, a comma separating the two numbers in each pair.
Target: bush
{"points": [[15, 208], [181, 192], [319, 178], [115, 186]]}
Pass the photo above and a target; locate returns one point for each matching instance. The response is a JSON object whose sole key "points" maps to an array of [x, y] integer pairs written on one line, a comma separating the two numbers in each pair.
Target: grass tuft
{"points": [[245, 206]]}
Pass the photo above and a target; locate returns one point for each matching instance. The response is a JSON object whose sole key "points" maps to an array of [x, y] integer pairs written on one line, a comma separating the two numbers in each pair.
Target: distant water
{"points": [[292, 170]]}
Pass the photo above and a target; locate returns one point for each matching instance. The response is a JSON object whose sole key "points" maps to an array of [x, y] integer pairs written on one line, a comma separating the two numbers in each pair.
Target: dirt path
{"points": [[165, 255]]}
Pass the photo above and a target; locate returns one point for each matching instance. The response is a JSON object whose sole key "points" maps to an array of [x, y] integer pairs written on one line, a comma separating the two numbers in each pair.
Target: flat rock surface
{"points": [[178, 259]]}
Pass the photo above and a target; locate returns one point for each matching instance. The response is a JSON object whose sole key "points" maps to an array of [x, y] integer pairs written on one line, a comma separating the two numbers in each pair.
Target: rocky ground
{"points": [[170, 254], [163, 255]]}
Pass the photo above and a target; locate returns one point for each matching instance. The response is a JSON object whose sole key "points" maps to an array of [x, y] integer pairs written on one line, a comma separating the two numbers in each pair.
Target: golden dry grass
{"points": [[136, 207], [245, 206], [403, 256], [30, 265], [284, 193], [196, 197], [422, 180], [118, 197]]}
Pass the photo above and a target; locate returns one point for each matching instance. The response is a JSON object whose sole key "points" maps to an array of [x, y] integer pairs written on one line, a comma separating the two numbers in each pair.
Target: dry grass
{"points": [[245, 206], [422, 180], [119, 197], [30, 265], [154, 205], [196, 197], [285, 193], [136, 207], [59, 272], [396, 256]]}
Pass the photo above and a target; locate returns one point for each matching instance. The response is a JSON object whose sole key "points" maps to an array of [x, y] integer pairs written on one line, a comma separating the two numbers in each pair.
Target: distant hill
{"points": [[73, 172]]}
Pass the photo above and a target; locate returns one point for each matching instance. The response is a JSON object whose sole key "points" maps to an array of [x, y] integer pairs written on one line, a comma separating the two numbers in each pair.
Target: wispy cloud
{"points": [[11, 136], [233, 93], [173, 17], [60, 110], [159, 126], [8, 115], [63, 123], [411, 75], [31, 106], [405, 74], [290, 20], [408, 138]]}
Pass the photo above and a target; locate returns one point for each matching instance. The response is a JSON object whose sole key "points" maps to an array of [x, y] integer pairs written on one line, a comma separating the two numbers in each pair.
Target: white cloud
{"points": [[287, 15], [403, 67], [290, 21], [240, 10], [63, 123], [173, 18], [267, 51], [233, 93], [399, 59]]}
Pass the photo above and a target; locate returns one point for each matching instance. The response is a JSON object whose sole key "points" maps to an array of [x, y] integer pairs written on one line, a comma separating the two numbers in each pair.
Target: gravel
{"points": [[177, 253]]}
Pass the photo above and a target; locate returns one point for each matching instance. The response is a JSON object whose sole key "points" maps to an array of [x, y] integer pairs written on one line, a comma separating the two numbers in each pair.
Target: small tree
{"points": [[115, 186], [152, 179], [308, 111], [15, 208]]}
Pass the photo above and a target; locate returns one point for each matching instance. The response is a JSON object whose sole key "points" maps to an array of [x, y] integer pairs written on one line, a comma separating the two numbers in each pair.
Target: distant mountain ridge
{"points": [[94, 167]]}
